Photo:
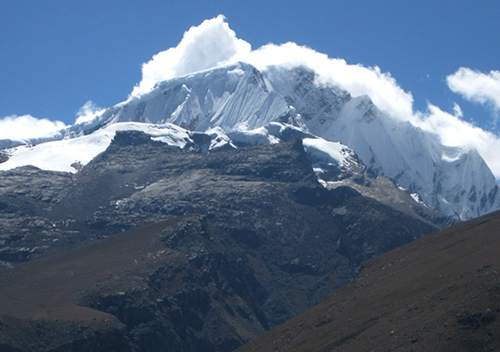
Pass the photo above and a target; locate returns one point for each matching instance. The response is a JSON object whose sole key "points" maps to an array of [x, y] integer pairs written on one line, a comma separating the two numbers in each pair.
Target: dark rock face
{"points": [[477, 319], [257, 239], [3, 157]]}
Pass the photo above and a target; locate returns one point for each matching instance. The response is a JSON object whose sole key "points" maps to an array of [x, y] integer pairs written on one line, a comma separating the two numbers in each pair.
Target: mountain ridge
{"points": [[230, 101]]}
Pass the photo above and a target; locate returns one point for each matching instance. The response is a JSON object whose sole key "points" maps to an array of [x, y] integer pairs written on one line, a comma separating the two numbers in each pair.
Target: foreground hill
{"points": [[439, 293]]}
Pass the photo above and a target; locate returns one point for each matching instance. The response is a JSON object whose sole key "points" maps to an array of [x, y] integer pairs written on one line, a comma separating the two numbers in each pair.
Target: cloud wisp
{"points": [[477, 87], [26, 126], [88, 112]]}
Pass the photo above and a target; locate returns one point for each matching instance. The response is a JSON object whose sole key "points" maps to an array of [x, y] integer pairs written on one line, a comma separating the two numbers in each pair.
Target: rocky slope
{"points": [[439, 293], [151, 247]]}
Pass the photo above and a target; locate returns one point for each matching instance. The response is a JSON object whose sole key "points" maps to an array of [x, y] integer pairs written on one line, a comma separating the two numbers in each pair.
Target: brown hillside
{"points": [[40, 301], [438, 293]]}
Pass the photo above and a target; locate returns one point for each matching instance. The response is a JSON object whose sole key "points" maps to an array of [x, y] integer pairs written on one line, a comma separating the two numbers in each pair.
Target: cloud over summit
{"points": [[208, 45], [213, 43]]}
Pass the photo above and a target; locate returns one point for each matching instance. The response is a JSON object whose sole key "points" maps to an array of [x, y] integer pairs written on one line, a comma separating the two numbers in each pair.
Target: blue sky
{"points": [[57, 55]]}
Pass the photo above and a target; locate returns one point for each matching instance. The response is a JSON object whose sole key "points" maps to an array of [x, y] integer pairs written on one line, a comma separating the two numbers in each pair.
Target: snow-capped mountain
{"points": [[240, 105], [455, 181], [235, 98]]}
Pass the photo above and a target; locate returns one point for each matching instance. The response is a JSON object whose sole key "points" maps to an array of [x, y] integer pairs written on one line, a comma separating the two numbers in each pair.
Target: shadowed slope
{"points": [[439, 293], [40, 300]]}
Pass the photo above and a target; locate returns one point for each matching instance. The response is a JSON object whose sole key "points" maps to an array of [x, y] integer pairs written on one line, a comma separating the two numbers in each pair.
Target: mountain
{"points": [[438, 293], [454, 181], [213, 208], [239, 103], [151, 247]]}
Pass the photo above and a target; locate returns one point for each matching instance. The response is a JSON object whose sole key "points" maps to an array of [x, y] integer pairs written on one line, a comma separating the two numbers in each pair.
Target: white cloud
{"points": [[213, 43], [27, 126], [477, 87], [453, 131], [202, 47], [88, 112]]}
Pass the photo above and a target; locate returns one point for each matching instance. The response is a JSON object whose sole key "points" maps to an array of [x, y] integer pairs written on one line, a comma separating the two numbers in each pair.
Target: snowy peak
{"points": [[317, 104], [415, 159], [234, 97], [464, 182], [442, 176]]}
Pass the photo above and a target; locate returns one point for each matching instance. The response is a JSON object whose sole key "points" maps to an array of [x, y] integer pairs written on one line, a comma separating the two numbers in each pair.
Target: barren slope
{"points": [[439, 293], [40, 301]]}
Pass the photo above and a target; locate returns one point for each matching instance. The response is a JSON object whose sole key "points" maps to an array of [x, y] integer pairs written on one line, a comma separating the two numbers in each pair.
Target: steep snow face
{"points": [[318, 105], [456, 182], [444, 177], [464, 181], [235, 98]]}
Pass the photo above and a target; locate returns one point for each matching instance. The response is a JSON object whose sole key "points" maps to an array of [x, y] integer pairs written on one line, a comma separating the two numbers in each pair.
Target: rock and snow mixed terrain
{"points": [[219, 203], [239, 105]]}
